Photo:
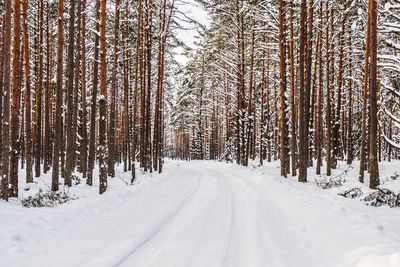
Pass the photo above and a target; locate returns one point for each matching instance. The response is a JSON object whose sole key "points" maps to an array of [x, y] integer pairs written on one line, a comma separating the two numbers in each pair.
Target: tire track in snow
{"points": [[244, 247], [195, 233], [224, 189], [277, 228], [167, 220]]}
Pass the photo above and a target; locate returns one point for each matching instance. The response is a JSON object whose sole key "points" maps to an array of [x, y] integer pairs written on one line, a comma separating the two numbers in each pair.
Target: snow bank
{"points": [[205, 213]]}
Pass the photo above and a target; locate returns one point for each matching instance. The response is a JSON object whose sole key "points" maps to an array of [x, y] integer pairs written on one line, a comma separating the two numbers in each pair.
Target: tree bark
{"points": [[59, 99], [365, 97], [92, 142], [293, 140], [350, 152], [16, 99], [69, 165], [319, 129], [328, 94], [373, 106], [103, 100], [39, 89], [111, 130], [282, 90], [28, 118], [303, 143], [136, 84], [6, 100], [47, 125], [84, 141]]}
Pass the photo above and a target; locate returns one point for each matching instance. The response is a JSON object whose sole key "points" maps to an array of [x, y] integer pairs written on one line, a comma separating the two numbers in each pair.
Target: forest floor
{"points": [[205, 213]]}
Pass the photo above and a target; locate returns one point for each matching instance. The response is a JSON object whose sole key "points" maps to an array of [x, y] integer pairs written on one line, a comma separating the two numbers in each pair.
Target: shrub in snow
{"points": [[383, 197], [228, 154], [331, 182], [352, 193], [378, 198], [76, 179], [336, 181], [395, 176], [46, 199]]}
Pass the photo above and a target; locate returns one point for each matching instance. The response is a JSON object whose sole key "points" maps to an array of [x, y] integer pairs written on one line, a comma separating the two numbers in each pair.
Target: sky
{"points": [[188, 35]]}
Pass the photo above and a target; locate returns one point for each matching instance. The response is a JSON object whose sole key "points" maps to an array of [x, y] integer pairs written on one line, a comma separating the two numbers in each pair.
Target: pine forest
{"points": [[211, 99]]}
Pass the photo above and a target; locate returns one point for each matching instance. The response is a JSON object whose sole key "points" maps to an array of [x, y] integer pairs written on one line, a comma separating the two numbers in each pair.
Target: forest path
{"points": [[201, 214]]}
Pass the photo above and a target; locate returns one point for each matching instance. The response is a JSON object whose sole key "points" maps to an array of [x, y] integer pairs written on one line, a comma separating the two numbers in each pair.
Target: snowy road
{"points": [[204, 214]]}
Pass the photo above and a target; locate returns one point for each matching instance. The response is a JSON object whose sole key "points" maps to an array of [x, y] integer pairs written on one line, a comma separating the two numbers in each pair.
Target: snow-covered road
{"points": [[203, 214]]}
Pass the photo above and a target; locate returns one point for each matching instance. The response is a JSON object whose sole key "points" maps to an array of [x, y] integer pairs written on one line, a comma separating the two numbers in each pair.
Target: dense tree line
{"points": [[306, 82], [89, 84], [82, 84]]}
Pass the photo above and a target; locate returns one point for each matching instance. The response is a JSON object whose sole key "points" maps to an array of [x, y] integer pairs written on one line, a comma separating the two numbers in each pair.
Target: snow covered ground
{"points": [[205, 213]]}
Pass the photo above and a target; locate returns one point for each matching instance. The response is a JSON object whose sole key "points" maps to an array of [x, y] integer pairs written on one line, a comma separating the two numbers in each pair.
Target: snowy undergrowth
{"points": [[365, 236], [21, 228], [277, 221], [39, 194]]}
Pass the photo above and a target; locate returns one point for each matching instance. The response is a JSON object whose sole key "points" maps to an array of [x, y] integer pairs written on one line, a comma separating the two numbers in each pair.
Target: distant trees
{"points": [[327, 115], [389, 82], [301, 81]]}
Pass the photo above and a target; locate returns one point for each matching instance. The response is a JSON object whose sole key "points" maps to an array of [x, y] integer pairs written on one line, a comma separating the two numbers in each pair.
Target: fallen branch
{"points": [[352, 193], [383, 197]]}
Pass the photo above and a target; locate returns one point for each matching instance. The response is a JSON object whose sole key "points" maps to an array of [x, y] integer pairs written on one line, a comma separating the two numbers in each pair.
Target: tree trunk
{"points": [[103, 100], [350, 152], [365, 97], [111, 130], [373, 106], [92, 142], [16, 99], [70, 98], [282, 85], [328, 94], [126, 140], [319, 129], [293, 140], [39, 89], [59, 99], [136, 83], [1, 91], [84, 141], [47, 125], [6, 100], [28, 120], [77, 76], [303, 143]]}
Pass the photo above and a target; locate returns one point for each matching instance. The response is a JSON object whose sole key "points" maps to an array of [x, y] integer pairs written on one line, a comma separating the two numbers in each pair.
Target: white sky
{"points": [[194, 11]]}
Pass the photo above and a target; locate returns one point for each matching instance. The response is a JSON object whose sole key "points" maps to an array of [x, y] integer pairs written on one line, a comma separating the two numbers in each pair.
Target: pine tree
{"points": [[5, 163], [303, 144], [111, 130], [59, 99], [39, 89], [28, 112], [15, 99], [103, 99], [373, 88], [84, 141], [95, 82], [282, 98], [70, 149]]}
